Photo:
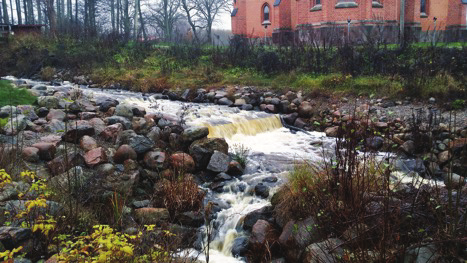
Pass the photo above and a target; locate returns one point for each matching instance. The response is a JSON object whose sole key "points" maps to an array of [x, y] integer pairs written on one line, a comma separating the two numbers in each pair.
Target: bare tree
{"points": [[165, 15], [189, 8], [209, 10], [51, 16]]}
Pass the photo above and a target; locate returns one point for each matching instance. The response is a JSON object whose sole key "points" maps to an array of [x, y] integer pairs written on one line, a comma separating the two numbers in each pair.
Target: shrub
{"points": [[47, 73], [10, 95]]}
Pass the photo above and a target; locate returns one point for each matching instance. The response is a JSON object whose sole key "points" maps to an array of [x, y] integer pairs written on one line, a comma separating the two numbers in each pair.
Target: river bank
{"points": [[120, 141]]}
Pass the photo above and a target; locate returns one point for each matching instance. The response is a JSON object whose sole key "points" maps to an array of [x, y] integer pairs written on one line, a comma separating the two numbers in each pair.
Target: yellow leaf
{"points": [[128, 250]]}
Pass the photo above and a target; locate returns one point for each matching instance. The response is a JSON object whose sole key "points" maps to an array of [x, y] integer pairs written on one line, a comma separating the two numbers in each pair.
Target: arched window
{"points": [[423, 6], [265, 13]]}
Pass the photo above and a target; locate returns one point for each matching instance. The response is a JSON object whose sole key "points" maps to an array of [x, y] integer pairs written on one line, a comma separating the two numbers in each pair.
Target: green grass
{"points": [[14, 96]]}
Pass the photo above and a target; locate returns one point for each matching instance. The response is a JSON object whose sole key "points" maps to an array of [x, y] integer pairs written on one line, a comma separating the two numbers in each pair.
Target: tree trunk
{"points": [[5, 12], [26, 16], [51, 15], [135, 19], [39, 12], [142, 23], [18, 12], [126, 21], [112, 14], [11, 12], [31, 12]]}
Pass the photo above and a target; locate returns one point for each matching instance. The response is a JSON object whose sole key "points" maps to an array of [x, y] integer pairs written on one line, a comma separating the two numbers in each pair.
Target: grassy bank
{"points": [[370, 68], [14, 96]]}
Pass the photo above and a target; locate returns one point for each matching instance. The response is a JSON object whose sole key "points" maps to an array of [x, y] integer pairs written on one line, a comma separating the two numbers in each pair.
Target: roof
{"points": [[234, 12], [25, 26]]}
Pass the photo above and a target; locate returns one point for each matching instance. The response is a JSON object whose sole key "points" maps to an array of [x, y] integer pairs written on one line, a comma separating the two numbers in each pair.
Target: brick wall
{"points": [[294, 13]]}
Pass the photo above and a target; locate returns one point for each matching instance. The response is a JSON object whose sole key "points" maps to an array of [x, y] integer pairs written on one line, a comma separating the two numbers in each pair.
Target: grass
{"points": [[14, 96]]}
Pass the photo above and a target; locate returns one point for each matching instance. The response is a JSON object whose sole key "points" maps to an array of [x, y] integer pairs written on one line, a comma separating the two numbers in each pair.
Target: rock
{"points": [[141, 204], [182, 162], [141, 125], [239, 102], [305, 110], [163, 123], [270, 179], [262, 190], [13, 237], [219, 162], [225, 101], [106, 104], [121, 183], [77, 131], [10, 191], [375, 143], [410, 165], [408, 147], [202, 150], [105, 169], [327, 251], [42, 112], [251, 218], [300, 123], [16, 124], [95, 157], [444, 157], [119, 119], [222, 177], [30, 154], [150, 215], [50, 102], [425, 254], [195, 133], [381, 125], [87, 143], [235, 169], [58, 165], [453, 180], [332, 131], [87, 115], [290, 118], [54, 139], [124, 110], [139, 143], [55, 126], [28, 111], [191, 218], [299, 234], [46, 150], [76, 175], [123, 153], [112, 132], [155, 160], [98, 125], [154, 134], [247, 107], [261, 234], [240, 246]]}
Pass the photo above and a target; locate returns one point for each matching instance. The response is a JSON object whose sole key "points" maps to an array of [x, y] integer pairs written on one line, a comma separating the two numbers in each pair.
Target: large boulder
{"points": [[139, 143], [195, 133], [150, 215], [55, 114], [305, 110], [240, 246], [112, 132], [13, 237], [155, 160], [88, 143], [61, 164], [55, 126], [299, 233], [28, 111], [182, 162], [251, 218], [16, 124], [46, 150], [262, 234], [49, 102], [124, 110], [123, 153], [30, 154], [327, 251], [219, 162], [95, 157], [77, 131]]}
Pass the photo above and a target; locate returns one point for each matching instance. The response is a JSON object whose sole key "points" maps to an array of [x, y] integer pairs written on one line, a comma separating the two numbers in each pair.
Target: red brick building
{"points": [[284, 20]]}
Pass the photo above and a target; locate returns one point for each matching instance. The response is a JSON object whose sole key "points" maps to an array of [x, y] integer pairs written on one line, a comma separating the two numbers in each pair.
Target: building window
{"points": [[316, 5], [266, 13], [346, 4], [423, 10], [317, 2]]}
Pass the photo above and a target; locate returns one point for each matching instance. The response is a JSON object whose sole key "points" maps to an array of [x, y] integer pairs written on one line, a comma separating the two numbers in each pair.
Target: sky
{"points": [[224, 22]]}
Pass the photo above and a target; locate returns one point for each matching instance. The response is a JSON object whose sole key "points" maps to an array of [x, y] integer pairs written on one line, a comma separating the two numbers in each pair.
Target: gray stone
{"points": [[55, 126], [225, 101], [453, 180], [154, 134], [410, 165], [219, 162], [12, 237], [16, 124], [50, 102], [77, 131], [327, 251], [262, 190], [240, 246], [141, 204], [124, 110], [119, 119], [28, 111], [194, 133]]}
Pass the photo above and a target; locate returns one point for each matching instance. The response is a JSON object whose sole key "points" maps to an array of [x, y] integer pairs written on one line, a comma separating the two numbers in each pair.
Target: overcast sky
{"points": [[224, 22]]}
